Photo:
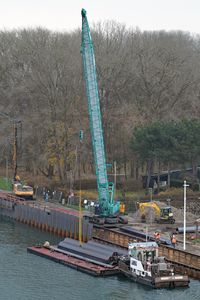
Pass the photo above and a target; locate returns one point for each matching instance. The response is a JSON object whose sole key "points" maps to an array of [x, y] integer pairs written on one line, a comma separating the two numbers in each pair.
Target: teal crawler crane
{"points": [[107, 209]]}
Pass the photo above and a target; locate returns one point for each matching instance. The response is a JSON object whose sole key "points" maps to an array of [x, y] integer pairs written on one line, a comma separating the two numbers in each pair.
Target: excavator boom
{"points": [[162, 214], [145, 205]]}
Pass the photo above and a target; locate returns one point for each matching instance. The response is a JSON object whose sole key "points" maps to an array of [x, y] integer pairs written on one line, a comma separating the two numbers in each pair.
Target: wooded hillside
{"points": [[143, 77]]}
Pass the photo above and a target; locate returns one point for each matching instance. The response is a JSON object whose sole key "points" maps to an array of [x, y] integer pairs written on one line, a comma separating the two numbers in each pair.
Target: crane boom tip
{"points": [[83, 12]]}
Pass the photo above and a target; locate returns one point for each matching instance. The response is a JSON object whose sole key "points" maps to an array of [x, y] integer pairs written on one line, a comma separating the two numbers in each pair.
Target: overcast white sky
{"points": [[64, 15]]}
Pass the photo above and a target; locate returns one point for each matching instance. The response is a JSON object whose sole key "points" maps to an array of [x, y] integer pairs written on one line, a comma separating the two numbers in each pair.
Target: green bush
{"points": [[5, 184]]}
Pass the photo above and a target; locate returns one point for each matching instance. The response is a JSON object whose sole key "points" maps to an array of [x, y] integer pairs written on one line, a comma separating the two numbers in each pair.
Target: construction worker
{"points": [[157, 236], [173, 240], [122, 208], [149, 264], [46, 196]]}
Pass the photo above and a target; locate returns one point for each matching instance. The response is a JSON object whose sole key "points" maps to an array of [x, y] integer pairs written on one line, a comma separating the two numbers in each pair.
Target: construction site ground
{"points": [[166, 230]]}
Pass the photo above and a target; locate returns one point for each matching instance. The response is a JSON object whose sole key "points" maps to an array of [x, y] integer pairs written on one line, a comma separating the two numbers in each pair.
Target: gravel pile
{"points": [[178, 213], [193, 212], [194, 207]]}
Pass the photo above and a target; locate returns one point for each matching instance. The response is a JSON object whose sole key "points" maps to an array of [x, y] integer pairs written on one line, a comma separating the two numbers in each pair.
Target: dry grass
{"points": [[174, 192]]}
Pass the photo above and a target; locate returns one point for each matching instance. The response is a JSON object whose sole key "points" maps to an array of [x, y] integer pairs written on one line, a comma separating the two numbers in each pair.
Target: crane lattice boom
{"points": [[105, 188]]}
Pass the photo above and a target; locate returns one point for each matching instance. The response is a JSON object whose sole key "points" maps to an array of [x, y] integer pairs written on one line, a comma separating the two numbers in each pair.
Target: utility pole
{"points": [[6, 168], [80, 196], [115, 174], [150, 192], [14, 150], [15, 122], [184, 214], [146, 233]]}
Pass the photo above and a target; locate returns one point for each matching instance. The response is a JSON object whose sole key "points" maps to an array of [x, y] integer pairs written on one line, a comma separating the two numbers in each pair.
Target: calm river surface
{"points": [[26, 276]]}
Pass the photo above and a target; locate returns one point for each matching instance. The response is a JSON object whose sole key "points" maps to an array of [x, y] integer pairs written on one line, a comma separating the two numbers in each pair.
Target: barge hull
{"points": [[72, 262], [170, 282]]}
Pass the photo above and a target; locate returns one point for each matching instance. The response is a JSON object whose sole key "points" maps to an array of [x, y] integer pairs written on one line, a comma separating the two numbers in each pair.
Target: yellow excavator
{"points": [[161, 214], [21, 190]]}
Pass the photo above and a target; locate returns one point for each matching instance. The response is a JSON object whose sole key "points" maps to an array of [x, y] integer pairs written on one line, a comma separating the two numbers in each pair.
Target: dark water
{"points": [[26, 276]]}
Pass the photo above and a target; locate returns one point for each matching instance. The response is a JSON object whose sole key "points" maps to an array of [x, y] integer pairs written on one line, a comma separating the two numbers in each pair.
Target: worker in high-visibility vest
{"points": [[122, 208], [157, 236], [173, 240]]}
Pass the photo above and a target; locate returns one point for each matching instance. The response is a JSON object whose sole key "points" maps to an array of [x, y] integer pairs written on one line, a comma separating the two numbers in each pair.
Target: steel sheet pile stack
{"points": [[188, 229], [93, 250], [143, 235]]}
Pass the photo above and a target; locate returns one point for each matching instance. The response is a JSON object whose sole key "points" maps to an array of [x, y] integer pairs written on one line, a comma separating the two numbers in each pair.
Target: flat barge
{"points": [[83, 265]]}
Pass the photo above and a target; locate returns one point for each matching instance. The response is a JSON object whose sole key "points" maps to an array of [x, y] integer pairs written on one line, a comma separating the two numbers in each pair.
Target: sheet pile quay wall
{"points": [[54, 220], [183, 261]]}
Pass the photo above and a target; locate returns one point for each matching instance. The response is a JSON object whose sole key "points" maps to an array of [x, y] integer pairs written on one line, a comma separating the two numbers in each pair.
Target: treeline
{"points": [[143, 77], [168, 144]]}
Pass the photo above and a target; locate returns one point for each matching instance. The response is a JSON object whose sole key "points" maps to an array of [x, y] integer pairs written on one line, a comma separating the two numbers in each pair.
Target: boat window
{"points": [[133, 252], [139, 256]]}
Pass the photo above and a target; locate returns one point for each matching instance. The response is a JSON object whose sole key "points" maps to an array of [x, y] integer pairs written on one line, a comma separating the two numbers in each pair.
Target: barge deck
{"points": [[88, 267]]}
